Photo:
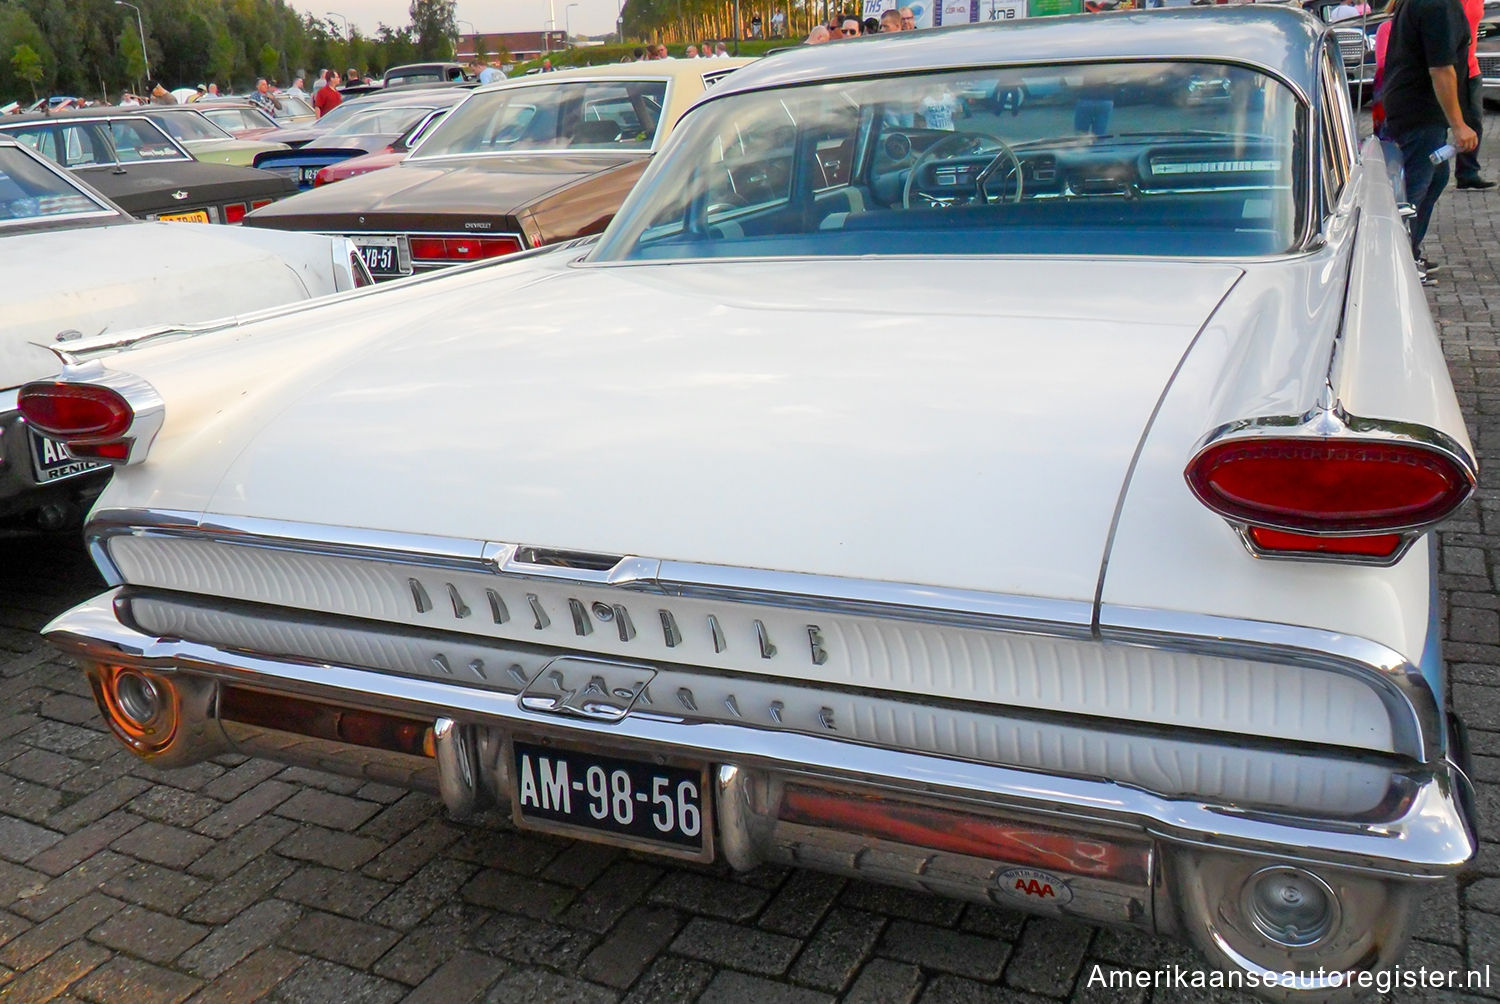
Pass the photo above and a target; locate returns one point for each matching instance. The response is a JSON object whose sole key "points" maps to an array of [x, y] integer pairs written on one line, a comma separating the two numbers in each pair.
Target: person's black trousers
{"points": [[1466, 167]]}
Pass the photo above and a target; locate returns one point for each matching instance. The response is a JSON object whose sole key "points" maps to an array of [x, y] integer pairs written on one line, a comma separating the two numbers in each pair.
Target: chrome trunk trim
{"points": [[1418, 827], [1408, 700]]}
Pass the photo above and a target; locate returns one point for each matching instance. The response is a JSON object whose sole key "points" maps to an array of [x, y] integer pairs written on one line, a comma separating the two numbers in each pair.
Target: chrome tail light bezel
{"points": [[148, 412], [1335, 426]]}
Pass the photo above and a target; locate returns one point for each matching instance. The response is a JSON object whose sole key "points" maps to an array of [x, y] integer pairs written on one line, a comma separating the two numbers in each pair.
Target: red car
{"points": [[390, 156]]}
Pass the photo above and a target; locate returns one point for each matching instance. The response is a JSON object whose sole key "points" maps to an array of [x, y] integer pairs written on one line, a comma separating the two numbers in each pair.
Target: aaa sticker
{"points": [[1033, 886]]}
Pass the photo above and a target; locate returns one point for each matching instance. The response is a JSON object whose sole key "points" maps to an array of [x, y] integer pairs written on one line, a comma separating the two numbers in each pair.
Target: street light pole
{"points": [[568, 21], [348, 38], [140, 25], [472, 31]]}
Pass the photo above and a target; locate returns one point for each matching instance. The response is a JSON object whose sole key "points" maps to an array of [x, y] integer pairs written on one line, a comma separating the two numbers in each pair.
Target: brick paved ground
{"points": [[240, 880]]}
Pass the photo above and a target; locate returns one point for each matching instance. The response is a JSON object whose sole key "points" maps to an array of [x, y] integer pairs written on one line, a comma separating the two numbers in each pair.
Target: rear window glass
{"points": [[30, 192], [1184, 159], [586, 115], [382, 119], [188, 126], [140, 139]]}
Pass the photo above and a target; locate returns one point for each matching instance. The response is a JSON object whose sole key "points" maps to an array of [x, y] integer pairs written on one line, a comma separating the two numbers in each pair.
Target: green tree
{"points": [[26, 64], [222, 57], [268, 60], [18, 29], [432, 21], [132, 64]]}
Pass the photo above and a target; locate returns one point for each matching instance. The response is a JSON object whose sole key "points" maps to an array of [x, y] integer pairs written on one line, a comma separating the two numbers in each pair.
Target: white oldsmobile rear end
{"points": [[886, 566]]}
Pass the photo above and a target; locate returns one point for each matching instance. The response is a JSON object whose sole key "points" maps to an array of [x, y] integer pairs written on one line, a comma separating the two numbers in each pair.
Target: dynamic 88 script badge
{"points": [[630, 801]]}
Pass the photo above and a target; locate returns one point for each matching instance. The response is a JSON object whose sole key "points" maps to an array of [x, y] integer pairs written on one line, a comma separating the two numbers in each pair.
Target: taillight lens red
{"points": [[321, 178], [234, 212], [462, 248], [260, 203], [117, 450], [1379, 545], [361, 274], [1322, 486], [76, 413]]}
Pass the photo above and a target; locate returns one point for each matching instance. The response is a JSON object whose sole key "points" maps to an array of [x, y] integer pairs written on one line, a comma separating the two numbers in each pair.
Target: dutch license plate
{"points": [[196, 216], [382, 255], [592, 795], [305, 175], [51, 461]]}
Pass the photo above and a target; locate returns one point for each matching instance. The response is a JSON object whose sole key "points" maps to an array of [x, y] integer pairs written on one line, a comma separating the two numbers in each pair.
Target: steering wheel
{"points": [[969, 144]]}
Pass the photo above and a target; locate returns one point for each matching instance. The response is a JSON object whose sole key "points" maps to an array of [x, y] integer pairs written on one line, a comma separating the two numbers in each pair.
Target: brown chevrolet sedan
{"points": [[516, 165]]}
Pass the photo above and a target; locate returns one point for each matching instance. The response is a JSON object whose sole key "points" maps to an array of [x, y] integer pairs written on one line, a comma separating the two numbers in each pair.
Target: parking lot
{"points": [[242, 880]]}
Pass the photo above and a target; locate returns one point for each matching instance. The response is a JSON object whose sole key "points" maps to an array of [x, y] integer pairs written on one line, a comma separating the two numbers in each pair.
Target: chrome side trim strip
{"points": [[1421, 831]]}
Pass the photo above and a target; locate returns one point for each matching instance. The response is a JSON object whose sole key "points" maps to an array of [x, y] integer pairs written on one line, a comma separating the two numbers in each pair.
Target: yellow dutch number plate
{"points": [[196, 216]]}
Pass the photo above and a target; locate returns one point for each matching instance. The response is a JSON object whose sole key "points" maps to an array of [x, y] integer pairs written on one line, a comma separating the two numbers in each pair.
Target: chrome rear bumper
{"points": [[1027, 831]]}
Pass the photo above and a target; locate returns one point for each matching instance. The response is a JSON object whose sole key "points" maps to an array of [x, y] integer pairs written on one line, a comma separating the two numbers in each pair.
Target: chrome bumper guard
{"points": [[1102, 848]]}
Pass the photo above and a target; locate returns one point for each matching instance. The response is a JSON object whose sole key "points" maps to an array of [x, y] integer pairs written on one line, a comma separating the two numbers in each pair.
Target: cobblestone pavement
{"points": [[241, 880]]}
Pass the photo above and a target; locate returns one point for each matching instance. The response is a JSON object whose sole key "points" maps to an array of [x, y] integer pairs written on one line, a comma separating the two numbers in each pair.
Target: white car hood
{"points": [[800, 416], [104, 280]]}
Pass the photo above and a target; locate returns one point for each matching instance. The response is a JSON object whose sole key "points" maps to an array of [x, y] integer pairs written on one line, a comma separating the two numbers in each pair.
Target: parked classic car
{"points": [[520, 164], [241, 120], [1356, 38], [366, 130], [1033, 508], [414, 74], [205, 140], [138, 166], [79, 269], [305, 132], [391, 155], [1488, 51]]}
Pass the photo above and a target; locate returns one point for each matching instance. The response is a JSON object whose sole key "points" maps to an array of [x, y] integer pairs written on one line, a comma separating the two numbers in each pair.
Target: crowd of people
{"points": [[326, 93], [849, 26], [707, 50]]}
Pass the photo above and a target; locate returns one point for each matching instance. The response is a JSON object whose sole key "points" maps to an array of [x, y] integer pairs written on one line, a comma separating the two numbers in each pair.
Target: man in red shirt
{"points": [[1471, 96], [328, 98]]}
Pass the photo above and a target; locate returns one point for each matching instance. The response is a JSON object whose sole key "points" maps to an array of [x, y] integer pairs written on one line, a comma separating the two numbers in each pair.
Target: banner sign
{"points": [[971, 11]]}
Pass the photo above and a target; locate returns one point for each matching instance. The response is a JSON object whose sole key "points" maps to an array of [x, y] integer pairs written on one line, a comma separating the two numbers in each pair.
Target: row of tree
{"points": [[694, 20], [94, 47]]}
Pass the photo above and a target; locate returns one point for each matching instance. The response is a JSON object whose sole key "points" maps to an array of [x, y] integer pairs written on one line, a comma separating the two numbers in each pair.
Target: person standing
{"points": [[1471, 95], [1429, 48], [327, 97]]}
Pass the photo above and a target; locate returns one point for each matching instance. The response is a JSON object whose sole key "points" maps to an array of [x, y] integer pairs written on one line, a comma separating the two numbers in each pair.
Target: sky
{"points": [[587, 17]]}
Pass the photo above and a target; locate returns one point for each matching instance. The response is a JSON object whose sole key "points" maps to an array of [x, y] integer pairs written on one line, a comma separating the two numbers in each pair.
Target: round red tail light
{"points": [[83, 413], [1341, 486]]}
